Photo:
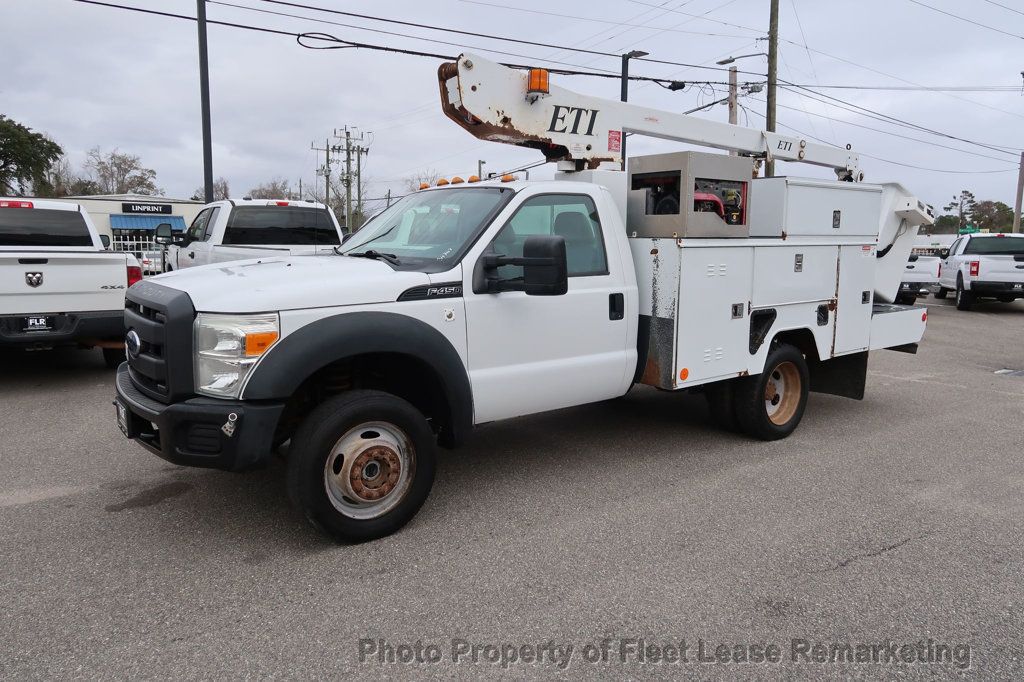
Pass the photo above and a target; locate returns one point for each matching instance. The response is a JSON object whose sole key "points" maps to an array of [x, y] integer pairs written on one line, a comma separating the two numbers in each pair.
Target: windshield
{"points": [[430, 231], [994, 246]]}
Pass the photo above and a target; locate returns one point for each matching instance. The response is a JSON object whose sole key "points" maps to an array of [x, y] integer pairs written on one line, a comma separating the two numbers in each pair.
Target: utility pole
{"points": [[480, 168], [624, 94], [388, 200], [349, 149], [773, 75], [733, 118], [1020, 194], [325, 170], [204, 101], [360, 152]]}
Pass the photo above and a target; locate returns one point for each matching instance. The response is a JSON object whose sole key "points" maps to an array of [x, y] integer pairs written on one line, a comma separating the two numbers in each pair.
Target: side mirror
{"points": [[164, 234], [545, 270], [105, 240], [943, 254]]}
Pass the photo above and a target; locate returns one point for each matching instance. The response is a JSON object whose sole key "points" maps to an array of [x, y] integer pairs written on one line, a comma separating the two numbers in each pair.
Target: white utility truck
{"points": [[474, 302], [59, 285], [979, 265], [249, 228]]}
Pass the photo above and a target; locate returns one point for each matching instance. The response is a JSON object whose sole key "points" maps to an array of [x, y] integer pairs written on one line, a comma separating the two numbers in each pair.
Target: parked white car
{"points": [[250, 228], [983, 266], [59, 285]]}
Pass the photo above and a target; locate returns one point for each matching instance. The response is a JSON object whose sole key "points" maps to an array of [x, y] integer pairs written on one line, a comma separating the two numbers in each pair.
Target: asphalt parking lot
{"points": [[895, 519]]}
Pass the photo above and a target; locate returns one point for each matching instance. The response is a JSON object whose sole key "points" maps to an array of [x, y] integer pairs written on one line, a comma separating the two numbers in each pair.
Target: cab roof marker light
{"points": [[442, 182]]}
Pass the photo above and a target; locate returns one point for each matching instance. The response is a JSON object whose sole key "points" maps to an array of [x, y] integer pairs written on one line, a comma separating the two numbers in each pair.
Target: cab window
{"points": [[572, 216], [197, 230]]}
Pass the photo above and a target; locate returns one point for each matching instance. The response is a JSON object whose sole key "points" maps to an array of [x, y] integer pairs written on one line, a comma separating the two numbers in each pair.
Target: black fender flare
{"points": [[306, 351]]}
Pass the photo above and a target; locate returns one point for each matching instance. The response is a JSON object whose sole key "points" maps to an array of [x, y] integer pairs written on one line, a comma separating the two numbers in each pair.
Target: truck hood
{"points": [[288, 283]]}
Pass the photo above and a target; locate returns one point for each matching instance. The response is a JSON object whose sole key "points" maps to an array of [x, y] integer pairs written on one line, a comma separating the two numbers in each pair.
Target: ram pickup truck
{"points": [[983, 266], [920, 278], [59, 285], [235, 230]]}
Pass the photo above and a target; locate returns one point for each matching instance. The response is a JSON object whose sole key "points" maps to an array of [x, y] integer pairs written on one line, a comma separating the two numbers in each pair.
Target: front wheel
{"points": [[361, 465], [941, 293], [770, 405]]}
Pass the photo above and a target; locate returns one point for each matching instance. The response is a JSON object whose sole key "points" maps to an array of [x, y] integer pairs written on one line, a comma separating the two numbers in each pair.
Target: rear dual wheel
{"points": [[767, 406]]}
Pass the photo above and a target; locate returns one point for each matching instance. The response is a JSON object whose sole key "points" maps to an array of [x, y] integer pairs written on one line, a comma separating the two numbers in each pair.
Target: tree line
{"points": [[965, 210]]}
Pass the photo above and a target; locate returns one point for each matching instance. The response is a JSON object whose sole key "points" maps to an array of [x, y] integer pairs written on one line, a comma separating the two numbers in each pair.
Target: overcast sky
{"points": [[95, 76]]}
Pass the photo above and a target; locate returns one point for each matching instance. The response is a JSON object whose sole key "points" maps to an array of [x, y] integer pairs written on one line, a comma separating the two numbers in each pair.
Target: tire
{"points": [[113, 357], [787, 379], [964, 298], [1007, 299], [392, 446], [941, 293], [721, 397]]}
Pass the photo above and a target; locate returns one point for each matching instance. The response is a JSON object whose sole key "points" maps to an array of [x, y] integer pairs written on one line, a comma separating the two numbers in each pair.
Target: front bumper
{"points": [[200, 432], [66, 328], [1015, 289]]}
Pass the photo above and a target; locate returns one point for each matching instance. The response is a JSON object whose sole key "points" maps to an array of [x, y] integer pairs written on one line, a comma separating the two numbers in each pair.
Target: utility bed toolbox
{"points": [[893, 326]]}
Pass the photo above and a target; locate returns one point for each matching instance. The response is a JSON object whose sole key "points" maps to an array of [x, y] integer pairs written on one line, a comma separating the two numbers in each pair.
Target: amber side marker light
{"points": [[684, 373], [257, 343]]}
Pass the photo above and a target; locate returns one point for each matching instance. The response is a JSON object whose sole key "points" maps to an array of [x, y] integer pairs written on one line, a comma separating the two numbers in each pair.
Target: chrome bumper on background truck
{"points": [[156, 401], [54, 329]]}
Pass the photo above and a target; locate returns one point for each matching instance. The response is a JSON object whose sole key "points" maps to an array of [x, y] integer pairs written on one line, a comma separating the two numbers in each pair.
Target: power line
{"points": [[896, 121], [965, 19], [488, 36], [896, 163], [998, 4], [339, 43], [886, 132], [598, 21]]}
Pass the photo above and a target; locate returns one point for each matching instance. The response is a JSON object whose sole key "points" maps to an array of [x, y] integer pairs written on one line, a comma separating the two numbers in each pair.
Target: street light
{"points": [[635, 54], [730, 60]]}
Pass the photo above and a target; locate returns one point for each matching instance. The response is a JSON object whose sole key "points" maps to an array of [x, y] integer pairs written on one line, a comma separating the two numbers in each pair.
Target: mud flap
{"points": [[844, 376]]}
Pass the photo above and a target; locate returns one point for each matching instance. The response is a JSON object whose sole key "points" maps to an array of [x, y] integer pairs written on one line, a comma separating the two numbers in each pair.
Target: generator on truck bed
{"points": [[473, 302]]}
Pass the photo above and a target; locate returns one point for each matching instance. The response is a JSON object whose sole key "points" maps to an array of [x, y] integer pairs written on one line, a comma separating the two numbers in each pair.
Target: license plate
{"points": [[122, 418], [38, 323]]}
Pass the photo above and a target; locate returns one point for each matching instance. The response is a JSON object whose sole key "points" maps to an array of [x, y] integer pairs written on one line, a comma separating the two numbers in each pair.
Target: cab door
{"points": [[197, 251], [535, 353]]}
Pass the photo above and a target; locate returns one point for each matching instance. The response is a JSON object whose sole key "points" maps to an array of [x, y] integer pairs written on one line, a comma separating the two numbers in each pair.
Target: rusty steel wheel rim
{"points": [[369, 470], [782, 393]]}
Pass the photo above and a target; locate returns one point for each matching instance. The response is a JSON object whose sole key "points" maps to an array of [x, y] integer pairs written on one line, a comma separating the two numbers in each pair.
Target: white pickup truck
{"points": [[920, 278], [479, 301], [58, 283], [978, 266], [249, 228]]}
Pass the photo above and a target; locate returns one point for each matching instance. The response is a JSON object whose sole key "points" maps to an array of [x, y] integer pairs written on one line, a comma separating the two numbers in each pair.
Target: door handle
{"points": [[616, 306], [191, 254]]}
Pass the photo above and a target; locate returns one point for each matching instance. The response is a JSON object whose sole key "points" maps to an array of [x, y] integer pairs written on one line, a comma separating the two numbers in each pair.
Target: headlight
{"points": [[227, 347]]}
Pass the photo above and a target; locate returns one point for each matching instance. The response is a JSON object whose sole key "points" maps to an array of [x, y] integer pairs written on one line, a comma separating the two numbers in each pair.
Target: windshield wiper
{"points": [[370, 253]]}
